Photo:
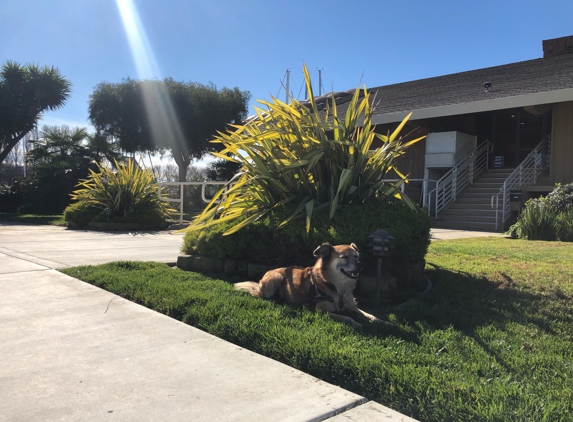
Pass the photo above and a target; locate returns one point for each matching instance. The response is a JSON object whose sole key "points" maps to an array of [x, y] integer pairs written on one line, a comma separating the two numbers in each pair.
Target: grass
{"points": [[51, 219], [490, 342]]}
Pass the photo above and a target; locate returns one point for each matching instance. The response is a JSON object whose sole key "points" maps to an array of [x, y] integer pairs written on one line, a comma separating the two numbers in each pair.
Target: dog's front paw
{"points": [[381, 321]]}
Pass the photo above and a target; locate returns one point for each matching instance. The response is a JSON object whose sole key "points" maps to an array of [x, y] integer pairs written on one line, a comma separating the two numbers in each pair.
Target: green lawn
{"points": [[51, 219], [492, 341]]}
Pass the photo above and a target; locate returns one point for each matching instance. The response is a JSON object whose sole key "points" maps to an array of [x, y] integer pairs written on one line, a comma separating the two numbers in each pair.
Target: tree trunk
{"points": [[183, 163], [12, 143]]}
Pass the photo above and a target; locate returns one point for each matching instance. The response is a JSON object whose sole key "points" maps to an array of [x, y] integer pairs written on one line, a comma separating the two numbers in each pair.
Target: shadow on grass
{"points": [[368, 329], [464, 301]]}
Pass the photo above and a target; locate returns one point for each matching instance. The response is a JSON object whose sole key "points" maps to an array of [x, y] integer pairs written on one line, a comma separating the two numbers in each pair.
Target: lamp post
{"points": [[379, 245]]}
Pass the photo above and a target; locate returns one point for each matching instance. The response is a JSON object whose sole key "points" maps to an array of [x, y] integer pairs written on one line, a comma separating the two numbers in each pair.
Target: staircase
{"points": [[472, 208]]}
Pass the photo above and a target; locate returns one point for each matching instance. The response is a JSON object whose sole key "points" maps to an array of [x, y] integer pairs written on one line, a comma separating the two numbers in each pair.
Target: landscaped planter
{"points": [[253, 270], [104, 226]]}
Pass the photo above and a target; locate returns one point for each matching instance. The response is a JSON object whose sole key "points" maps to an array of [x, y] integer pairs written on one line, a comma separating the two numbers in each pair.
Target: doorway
{"points": [[515, 133]]}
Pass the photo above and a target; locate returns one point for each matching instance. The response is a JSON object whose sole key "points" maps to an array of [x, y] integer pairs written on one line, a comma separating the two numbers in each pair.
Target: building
{"points": [[513, 107]]}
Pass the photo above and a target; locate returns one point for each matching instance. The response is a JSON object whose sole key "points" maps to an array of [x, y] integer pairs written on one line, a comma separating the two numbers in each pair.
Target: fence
{"points": [[181, 194], [181, 197]]}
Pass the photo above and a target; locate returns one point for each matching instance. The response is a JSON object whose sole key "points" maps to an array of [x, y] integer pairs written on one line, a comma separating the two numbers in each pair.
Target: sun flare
{"points": [[159, 108]]}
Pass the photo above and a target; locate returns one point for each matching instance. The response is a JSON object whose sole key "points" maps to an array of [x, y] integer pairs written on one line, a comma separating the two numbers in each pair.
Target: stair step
{"points": [[474, 200], [493, 180], [489, 190], [470, 206], [470, 218], [486, 185], [496, 174], [486, 196], [471, 211], [465, 225], [502, 170]]}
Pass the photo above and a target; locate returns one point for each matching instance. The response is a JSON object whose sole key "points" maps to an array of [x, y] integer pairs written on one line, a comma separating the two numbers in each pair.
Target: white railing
{"points": [[525, 174], [204, 185], [457, 178], [403, 185], [181, 185]]}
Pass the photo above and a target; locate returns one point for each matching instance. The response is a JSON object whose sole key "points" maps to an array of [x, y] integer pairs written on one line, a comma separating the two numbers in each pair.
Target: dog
{"points": [[327, 286]]}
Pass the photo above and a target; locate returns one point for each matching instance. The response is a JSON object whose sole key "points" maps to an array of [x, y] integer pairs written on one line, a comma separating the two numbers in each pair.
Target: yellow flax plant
{"points": [[127, 190], [308, 158]]}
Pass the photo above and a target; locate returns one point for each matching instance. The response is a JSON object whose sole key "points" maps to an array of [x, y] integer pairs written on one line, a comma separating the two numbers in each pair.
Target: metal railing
{"points": [[525, 174], [204, 185], [403, 185], [457, 178], [180, 199]]}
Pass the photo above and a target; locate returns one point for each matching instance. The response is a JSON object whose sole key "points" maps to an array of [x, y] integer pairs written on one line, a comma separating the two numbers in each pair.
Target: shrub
{"points": [[312, 160], [45, 191], [565, 220], [50, 188], [536, 222], [561, 197], [81, 213], [130, 194], [547, 218], [291, 245], [12, 196]]}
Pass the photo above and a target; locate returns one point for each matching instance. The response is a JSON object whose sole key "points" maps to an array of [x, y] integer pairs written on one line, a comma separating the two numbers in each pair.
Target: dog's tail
{"points": [[249, 286]]}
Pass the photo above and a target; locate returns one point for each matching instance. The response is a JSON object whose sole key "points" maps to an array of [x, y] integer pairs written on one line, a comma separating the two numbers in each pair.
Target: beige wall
{"points": [[562, 143]]}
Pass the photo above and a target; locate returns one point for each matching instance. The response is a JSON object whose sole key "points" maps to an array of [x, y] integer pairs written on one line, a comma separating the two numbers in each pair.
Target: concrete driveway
{"points": [[58, 247]]}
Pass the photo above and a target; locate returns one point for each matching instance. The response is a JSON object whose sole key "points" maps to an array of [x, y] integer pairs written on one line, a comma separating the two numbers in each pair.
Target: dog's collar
{"points": [[317, 295]]}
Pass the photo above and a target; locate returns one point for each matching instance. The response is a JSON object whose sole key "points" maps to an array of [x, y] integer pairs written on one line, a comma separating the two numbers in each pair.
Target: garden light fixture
{"points": [[379, 246]]}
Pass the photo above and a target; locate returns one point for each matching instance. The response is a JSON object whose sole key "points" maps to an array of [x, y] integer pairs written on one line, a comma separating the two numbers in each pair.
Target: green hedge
{"points": [[80, 213], [290, 245]]}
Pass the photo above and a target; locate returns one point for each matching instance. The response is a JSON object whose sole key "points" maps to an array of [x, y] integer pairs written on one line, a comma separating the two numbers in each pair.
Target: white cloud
{"points": [[54, 121]]}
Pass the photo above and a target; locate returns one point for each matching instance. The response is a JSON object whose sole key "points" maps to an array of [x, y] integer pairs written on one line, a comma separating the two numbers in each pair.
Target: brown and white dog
{"points": [[327, 286]]}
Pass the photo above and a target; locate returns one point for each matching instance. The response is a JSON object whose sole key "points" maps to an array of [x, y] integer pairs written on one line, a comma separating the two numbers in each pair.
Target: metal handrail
{"points": [[525, 174], [207, 200], [458, 177], [181, 192]]}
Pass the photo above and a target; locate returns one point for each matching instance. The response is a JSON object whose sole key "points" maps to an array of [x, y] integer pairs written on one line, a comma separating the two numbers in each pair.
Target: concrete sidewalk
{"points": [[450, 234], [71, 351]]}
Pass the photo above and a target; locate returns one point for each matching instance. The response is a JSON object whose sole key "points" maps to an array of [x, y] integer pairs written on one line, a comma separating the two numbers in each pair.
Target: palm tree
{"points": [[72, 148], [25, 92], [59, 160], [60, 144]]}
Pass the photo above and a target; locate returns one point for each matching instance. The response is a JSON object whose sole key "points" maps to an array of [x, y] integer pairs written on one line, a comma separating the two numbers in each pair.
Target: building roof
{"points": [[528, 83]]}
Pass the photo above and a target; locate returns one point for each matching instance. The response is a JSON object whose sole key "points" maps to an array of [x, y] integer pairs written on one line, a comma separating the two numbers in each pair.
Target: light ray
{"points": [[165, 127]]}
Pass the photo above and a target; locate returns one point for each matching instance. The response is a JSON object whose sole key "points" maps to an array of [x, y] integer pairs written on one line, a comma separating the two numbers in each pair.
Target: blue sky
{"points": [[251, 43]]}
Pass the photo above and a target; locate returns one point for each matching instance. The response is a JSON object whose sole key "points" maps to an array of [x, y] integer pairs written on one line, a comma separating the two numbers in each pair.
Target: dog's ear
{"points": [[353, 246], [323, 250]]}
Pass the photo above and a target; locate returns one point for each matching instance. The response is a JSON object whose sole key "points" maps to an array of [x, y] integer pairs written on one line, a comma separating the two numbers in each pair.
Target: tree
{"points": [[152, 115], [26, 92], [72, 147], [58, 161]]}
